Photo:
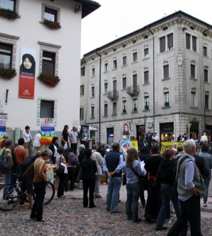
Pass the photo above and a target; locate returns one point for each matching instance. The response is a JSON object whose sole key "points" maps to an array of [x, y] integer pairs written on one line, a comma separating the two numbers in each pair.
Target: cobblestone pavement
{"points": [[68, 217]]}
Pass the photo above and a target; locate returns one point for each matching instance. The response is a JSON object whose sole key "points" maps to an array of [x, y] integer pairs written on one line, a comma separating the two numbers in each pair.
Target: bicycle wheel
{"points": [[50, 191], [9, 197]]}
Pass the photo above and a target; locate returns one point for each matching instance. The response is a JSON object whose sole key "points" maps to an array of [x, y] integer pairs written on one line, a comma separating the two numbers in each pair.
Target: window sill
{"points": [[92, 97], [193, 79], [114, 69], [146, 57], [124, 113], [145, 110], [133, 112], [146, 84], [134, 62], [105, 72], [124, 66], [206, 82], [165, 79], [166, 107], [93, 76], [207, 109], [123, 89], [205, 57], [92, 118], [114, 114], [194, 107], [105, 116]]}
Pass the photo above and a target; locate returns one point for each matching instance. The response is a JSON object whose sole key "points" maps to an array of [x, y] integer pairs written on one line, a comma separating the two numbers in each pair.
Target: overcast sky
{"points": [[116, 18]]}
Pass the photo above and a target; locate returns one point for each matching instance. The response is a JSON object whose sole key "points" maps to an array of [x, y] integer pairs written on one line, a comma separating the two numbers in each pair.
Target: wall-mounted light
{"points": [[77, 8], [6, 97], [184, 28]]}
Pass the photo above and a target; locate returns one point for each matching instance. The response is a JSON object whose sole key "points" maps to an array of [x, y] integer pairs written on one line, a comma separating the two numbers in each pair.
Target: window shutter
{"points": [[170, 41], [162, 44], [188, 41]]}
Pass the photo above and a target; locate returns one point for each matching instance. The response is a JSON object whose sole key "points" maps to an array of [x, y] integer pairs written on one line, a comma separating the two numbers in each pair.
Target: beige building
{"points": [[157, 78]]}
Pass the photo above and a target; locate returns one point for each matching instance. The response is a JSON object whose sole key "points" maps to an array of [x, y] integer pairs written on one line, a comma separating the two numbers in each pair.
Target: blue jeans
{"points": [[97, 184], [133, 192], [7, 180], [113, 194], [168, 193], [207, 182]]}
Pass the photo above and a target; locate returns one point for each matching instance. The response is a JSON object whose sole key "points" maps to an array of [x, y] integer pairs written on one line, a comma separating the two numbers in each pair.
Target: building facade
{"points": [[50, 31], [157, 78]]}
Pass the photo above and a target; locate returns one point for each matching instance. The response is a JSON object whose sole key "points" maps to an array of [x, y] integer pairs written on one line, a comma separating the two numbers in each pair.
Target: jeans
{"points": [[88, 184], [190, 212], [207, 182], [113, 194], [7, 180], [74, 148], [97, 184], [168, 193], [61, 186], [133, 191]]}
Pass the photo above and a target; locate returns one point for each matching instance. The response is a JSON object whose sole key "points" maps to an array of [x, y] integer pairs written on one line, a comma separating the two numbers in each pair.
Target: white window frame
{"points": [[209, 102], [124, 102], [135, 51], [146, 101], [195, 71], [105, 89], [124, 76], [44, 5], [93, 72], [191, 43], [106, 67], [115, 63], [166, 42], [166, 98], [193, 99]]}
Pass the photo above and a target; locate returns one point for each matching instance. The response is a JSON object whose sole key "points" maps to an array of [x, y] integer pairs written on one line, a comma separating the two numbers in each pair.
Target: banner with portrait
{"points": [[27, 73], [84, 132], [125, 129]]}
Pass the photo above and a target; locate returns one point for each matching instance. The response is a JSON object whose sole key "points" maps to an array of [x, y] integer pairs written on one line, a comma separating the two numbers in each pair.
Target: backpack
{"points": [[29, 173], [72, 160], [5, 163], [27, 162]]}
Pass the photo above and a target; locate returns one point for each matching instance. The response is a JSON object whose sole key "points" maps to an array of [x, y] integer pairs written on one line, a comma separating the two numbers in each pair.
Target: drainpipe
{"points": [[100, 73], [153, 38]]}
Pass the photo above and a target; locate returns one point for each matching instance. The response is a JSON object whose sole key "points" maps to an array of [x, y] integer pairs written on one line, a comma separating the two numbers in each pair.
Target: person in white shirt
{"points": [[36, 141], [155, 137], [27, 140], [74, 139], [204, 138]]}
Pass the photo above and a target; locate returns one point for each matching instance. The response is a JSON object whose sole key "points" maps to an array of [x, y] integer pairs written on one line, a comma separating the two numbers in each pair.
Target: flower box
{"points": [[166, 104], [146, 107], [11, 15], [51, 24], [49, 80], [7, 74]]}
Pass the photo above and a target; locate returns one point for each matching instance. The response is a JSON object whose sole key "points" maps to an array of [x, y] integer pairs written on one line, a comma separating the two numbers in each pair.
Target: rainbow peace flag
{"points": [[47, 133], [2, 132]]}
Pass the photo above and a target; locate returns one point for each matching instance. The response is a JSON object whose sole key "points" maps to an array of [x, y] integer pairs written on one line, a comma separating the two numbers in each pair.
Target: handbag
{"points": [[61, 168], [140, 177], [124, 180]]}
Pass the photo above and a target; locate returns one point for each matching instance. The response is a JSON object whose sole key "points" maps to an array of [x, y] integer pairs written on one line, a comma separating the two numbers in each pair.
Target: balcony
{"points": [[133, 90], [113, 95]]}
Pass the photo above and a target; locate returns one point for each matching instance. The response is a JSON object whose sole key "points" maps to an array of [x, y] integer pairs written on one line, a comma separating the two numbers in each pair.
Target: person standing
{"points": [[88, 169], [112, 160], [74, 139], [36, 141], [39, 180], [96, 156], [65, 136], [190, 186], [208, 164], [54, 147], [27, 140], [149, 138]]}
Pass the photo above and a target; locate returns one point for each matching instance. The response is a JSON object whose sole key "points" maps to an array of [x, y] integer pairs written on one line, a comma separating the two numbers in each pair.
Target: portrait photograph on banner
{"points": [[27, 73], [125, 128]]}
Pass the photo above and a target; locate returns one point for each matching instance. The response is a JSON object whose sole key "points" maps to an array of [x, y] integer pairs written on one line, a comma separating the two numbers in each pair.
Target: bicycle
{"points": [[12, 194]]}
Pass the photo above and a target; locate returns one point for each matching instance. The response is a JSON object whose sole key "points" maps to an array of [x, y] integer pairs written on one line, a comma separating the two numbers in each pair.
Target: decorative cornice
{"points": [[49, 45], [9, 36]]}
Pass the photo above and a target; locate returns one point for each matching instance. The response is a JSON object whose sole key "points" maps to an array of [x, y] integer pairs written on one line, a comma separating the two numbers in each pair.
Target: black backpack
{"points": [[27, 162]]}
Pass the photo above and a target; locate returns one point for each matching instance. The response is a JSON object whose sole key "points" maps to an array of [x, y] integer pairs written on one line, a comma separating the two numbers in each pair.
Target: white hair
{"points": [[189, 144]]}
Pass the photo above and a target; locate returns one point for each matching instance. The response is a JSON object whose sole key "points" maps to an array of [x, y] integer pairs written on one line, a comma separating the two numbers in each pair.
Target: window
{"points": [[92, 91], [191, 42], [166, 72], [135, 105], [205, 51], [106, 67], [92, 112], [146, 77], [146, 102], [105, 109], [124, 108], [114, 109], [124, 83], [105, 87], [6, 56], [206, 101], [81, 113], [135, 81], [115, 64], [193, 99], [162, 44], [205, 75], [135, 56], [166, 99], [93, 72], [114, 85], [146, 52], [193, 71], [82, 90], [50, 14], [7, 4], [83, 71], [46, 109], [48, 63], [170, 41], [124, 60]]}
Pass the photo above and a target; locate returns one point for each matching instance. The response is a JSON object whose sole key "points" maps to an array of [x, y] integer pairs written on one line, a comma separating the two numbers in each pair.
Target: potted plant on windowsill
{"points": [[51, 24], [49, 80], [146, 107], [124, 111], [135, 109], [7, 74], [8, 14], [166, 104]]}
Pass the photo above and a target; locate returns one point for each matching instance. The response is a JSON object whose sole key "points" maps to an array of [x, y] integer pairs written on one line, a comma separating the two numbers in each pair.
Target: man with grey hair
{"points": [[190, 187]]}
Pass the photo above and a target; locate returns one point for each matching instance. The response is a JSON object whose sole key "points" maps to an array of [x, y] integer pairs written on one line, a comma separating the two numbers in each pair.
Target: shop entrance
{"points": [[167, 132]]}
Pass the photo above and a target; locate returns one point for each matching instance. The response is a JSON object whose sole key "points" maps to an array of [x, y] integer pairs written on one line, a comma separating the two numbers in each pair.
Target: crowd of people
{"points": [[176, 179]]}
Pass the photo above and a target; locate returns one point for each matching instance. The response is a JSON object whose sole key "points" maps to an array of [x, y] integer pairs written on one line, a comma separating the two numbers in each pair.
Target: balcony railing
{"points": [[133, 90], [113, 95]]}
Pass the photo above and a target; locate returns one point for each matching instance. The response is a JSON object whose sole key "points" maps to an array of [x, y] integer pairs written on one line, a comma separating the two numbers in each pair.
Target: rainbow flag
{"points": [[2, 132], [47, 133]]}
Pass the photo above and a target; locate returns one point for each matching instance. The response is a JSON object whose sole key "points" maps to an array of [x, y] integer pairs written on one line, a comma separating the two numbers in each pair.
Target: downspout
{"points": [[153, 78], [100, 73]]}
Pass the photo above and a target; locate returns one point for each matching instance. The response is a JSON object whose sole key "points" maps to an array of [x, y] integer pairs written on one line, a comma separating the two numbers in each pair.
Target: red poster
{"points": [[27, 73]]}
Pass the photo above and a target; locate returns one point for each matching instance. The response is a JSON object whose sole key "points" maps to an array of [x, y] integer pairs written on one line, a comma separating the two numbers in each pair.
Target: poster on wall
{"points": [[47, 131], [27, 73], [125, 128], [84, 132]]}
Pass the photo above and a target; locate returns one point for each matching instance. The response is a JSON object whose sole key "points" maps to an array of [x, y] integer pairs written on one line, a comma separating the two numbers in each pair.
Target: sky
{"points": [[116, 18]]}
